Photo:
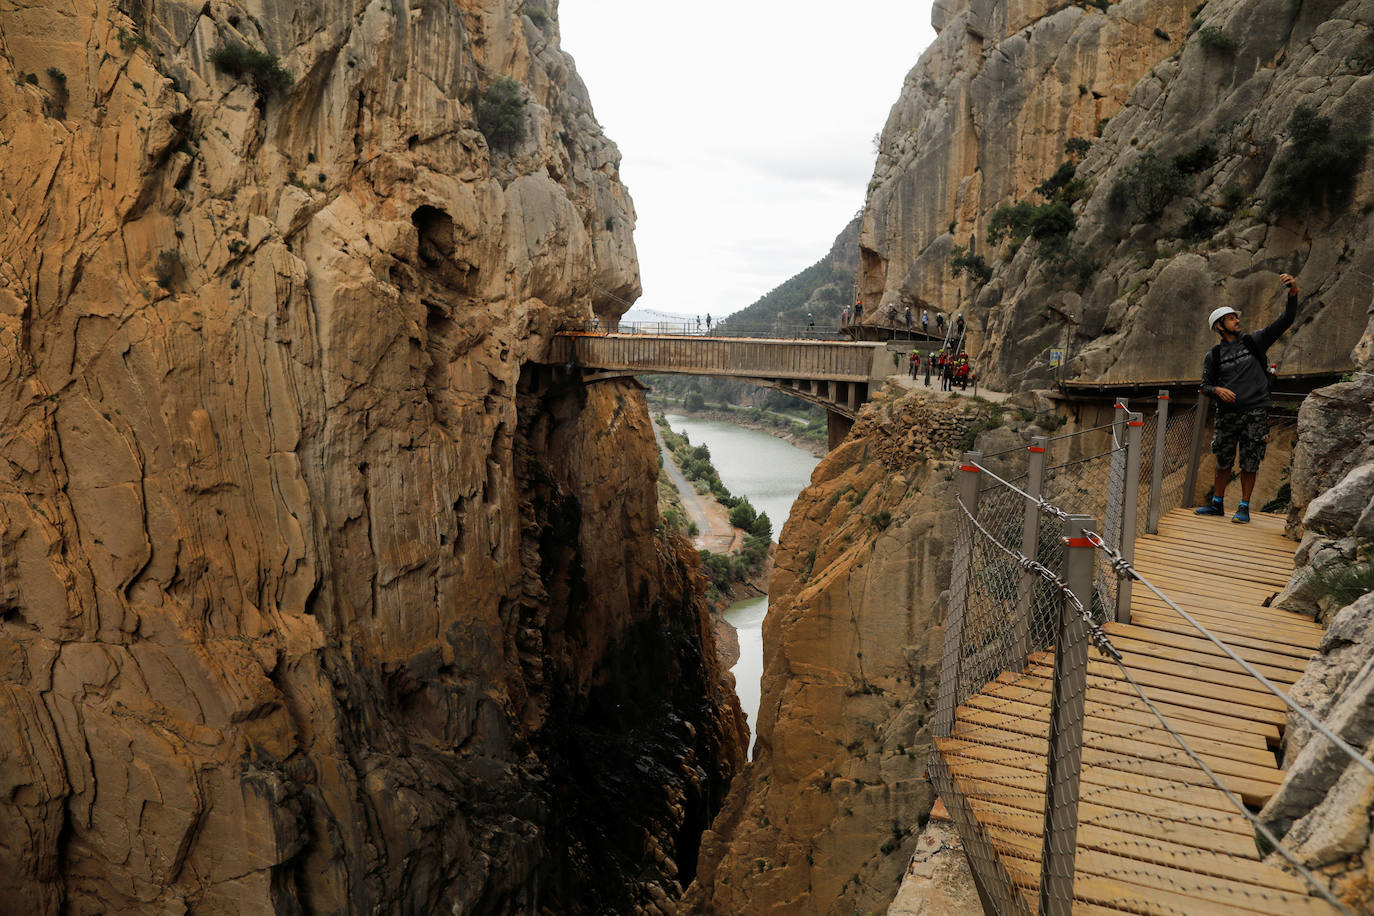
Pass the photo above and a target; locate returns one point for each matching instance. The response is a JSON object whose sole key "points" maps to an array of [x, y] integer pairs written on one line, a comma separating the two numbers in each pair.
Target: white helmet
{"points": [[1218, 314]]}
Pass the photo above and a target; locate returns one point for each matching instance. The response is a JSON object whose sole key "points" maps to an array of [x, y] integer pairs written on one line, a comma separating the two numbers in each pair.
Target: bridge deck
{"points": [[1155, 835]]}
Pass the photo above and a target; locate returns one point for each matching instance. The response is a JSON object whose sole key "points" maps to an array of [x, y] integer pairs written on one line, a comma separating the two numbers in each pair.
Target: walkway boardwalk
{"points": [[1155, 835]]}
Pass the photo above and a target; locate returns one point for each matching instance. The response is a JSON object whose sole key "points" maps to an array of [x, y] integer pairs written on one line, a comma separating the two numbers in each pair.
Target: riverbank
{"points": [[737, 562], [794, 433]]}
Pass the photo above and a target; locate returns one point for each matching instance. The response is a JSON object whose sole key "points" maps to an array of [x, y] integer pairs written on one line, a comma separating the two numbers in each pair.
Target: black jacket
{"points": [[1241, 364]]}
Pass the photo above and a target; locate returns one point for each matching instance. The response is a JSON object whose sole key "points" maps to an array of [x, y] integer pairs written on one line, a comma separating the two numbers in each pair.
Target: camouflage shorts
{"points": [[1248, 429]]}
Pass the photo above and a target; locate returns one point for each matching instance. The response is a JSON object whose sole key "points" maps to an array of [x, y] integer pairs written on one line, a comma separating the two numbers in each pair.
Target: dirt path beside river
{"points": [[714, 531]]}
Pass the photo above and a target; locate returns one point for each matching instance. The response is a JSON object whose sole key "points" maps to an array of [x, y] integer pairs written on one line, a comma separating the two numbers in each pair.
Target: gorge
{"points": [[324, 589]]}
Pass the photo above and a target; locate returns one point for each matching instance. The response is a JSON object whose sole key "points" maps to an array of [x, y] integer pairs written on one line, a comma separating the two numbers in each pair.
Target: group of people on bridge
{"points": [[956, 327]]}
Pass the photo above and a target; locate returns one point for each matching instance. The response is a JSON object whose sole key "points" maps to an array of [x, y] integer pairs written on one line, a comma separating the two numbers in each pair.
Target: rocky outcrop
{"points": [[1322, 811], [827, 815], [307, 601], [985, 117]]}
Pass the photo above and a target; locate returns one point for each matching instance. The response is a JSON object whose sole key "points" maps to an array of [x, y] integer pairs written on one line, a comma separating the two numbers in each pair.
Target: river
{"points": [[771, 472]]}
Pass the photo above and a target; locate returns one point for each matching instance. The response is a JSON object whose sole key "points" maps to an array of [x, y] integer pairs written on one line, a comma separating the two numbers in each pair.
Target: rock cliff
{"points": [[1174, 125], [306, 599], [1323, 810], [826, 816]]}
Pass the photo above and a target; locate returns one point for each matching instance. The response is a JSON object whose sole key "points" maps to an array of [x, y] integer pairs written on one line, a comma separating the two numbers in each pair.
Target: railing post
{"points": [[1157, 465], [950, 661], [1030, 547], [1066, 725], [1204, 407], [1129, 510]]}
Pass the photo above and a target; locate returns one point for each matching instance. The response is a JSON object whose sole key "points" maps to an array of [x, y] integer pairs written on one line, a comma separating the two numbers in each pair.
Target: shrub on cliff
{"points": [[1148, 185], [264, 70], [501, 113], [963, 262], [1321, 165]]}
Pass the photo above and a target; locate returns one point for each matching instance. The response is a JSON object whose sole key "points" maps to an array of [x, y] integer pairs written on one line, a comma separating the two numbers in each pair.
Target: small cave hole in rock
{"points": [[436, 234]]}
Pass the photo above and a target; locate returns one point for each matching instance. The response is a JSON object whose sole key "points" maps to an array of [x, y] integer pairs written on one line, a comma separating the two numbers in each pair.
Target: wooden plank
{"points": [[1219, 559], [1254, 786], [1266, 624], [1155, 890], [1183, 588], [1253, 700], [1118, 691], [1206, 672], [1214, 600], [1208, 541], [1199, 856], [1213, 556], [1223, 627], [1168, 621], [1034, 720], [1154, 564], [1092, 780], [1120, 810], [1138, 726], [1214, 660], [1128, 708], [1200, 644], [1099, 852]]}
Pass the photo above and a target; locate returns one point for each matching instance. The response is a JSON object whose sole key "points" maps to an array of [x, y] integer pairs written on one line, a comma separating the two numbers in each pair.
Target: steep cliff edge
{"points": [[306, 599]]}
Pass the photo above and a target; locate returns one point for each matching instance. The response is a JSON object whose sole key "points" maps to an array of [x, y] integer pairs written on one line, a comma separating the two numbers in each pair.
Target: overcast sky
{"points": [[745, 129]]}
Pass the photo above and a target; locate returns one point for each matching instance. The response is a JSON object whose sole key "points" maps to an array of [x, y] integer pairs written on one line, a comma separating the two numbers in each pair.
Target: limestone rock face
{"points": [[1322, 811], [307, 599], [984, 118], [825, 817]]}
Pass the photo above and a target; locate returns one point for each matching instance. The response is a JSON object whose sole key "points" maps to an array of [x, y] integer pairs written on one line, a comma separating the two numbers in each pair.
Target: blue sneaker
{"points": [[1242, 514], [1213, 508]]}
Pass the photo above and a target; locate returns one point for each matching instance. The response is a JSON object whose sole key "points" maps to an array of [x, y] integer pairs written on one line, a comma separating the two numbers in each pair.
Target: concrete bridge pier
{"points": [[837, 427]]}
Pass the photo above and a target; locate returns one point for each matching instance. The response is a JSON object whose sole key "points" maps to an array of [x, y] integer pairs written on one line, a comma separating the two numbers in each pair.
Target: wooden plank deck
{"points": [[1155, 834]]}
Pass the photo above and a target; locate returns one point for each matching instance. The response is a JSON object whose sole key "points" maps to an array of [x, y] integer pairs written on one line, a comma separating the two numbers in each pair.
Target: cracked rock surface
{"points": [[307, 601]]}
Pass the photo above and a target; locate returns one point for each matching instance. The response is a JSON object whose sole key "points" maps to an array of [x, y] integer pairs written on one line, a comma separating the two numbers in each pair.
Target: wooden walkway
{"points": [[1155, 835]]}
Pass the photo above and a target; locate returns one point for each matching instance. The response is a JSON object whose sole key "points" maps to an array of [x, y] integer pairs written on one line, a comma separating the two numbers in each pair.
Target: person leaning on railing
{"points": [[1236, 373]]}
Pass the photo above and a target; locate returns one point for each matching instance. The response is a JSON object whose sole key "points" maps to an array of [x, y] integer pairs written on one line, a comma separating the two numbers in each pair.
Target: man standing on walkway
{"points": [[1235, 372]]}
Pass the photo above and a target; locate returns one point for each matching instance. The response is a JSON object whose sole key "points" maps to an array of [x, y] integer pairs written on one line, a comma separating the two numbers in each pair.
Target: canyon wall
{"points": [[1197, 98], [827, 814], [306, 596]]}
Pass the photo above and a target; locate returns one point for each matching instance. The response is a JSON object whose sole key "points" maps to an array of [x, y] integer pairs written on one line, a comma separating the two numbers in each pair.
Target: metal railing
{"points": [[769, 330], [1034, 571]]}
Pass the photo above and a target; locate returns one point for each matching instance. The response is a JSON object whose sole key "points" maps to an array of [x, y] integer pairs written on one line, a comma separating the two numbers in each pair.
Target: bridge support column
{"points": [[838, 426]]}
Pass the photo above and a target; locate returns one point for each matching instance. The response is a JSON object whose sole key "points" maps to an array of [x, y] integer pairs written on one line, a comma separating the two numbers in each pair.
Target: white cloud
{"points": [[745, 129]]}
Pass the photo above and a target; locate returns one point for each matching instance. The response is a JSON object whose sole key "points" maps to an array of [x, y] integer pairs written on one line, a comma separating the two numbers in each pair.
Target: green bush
{"points": [[1149, 185], [1232, 196], [1198, 159], [264, 70], [743, 515], [1077, 146], [1203, 221], [539, 17], [962, 263], [762, 527], [501, 113], [1319, 167], [1010, 223], [1214, 39], [1343, 584], [1052, 221]]}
